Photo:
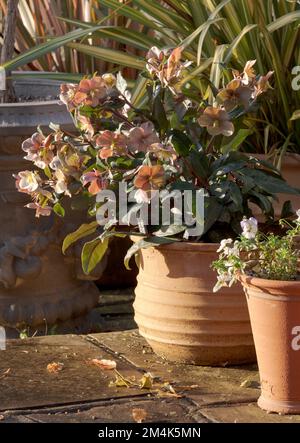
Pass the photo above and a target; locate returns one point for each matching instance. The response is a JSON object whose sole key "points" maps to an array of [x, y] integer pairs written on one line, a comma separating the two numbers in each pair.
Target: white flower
{"points": [[28, 181], [55, 163], [224, 245], [141, 196], [222, 281], [61, 186], [298, 215], [249, 227]]}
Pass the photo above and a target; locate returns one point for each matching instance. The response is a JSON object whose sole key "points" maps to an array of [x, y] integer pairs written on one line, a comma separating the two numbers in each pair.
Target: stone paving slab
{"points": [[114, 411], [81, 392], [29, 384], [215, 385]]}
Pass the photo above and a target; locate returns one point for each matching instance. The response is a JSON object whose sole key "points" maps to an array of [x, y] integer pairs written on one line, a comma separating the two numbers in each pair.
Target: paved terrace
{"points": [[83, 392]]}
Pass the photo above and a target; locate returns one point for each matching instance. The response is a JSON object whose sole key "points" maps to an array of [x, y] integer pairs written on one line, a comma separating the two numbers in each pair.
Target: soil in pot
{"points": [[274, 308], [180, 316]]}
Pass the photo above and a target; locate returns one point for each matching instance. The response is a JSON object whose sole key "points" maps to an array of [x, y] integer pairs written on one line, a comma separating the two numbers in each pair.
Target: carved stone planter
{"points": [[37, 283]]}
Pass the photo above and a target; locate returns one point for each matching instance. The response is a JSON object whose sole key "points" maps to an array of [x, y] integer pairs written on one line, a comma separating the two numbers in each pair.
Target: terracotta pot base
{"points": [[201, 355], [281, 407]]}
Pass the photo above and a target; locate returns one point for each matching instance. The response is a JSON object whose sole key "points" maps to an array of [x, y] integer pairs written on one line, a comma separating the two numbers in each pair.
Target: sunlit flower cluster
{"points": [[117, 142], [267, 256]]}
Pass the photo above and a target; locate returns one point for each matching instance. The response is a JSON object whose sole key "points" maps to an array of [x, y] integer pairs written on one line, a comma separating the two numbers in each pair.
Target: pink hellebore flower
{"points": [[40, 210], [39, 149], [142, 137], [150, 178], [249, 227], [111, 143], [249, 72], [216, 121], [163, 152], [67, 94], [61, 185], [85, 124], [27, 182], [95, 181], [90, 92], [263, 84]]}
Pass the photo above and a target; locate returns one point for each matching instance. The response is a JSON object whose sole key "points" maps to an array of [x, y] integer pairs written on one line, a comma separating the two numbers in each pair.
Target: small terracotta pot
{"points": [[274, 308], [180, 316]]}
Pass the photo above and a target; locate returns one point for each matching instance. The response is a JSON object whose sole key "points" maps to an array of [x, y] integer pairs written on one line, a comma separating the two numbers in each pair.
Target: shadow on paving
{"points": [[81, 392]]}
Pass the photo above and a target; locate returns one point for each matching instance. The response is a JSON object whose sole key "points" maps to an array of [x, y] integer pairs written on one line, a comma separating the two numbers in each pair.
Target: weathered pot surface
{"points": [[180, 316], [274, 308], [37, 283]]}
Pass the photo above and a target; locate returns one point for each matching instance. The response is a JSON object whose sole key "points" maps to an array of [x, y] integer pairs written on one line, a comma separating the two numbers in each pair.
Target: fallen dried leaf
{"points": [[103, 364], [169, 388], [119, 382], [5, 373], [55, 367], [139, 415], [250, 384], [2, 417], [146, 382]]}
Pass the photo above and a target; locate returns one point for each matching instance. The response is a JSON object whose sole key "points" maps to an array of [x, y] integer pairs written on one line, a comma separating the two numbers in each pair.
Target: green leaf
{"points": [[236, 196], [59, 210], [237, 140], [83, 231], [285, 20], [181, 142], [296, 115], [270, 184], [143, 244], [158, 111], [199, 163], [167, 231], [110, 55], [44, 48], [212, 212], [92, 253], [287, 210]]}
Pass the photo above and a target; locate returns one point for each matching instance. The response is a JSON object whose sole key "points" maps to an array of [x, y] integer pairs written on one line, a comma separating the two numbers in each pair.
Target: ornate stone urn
{"points": [[38, 284]]}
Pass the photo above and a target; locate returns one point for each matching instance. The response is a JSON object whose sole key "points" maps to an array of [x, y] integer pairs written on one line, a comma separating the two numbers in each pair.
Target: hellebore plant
{"points": [[270, 256], [170, 143]]}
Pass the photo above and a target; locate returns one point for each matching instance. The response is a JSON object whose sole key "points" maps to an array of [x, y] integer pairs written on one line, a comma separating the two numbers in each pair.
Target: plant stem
{"points": [[7, 51]]}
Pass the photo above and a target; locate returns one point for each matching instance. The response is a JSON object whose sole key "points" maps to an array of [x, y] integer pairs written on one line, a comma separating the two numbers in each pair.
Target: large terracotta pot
{"points": [[37, 283], [274, 308], [180, 316]]}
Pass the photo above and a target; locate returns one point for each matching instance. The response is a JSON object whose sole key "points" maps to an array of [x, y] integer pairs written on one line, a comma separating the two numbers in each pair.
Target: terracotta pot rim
{"points": [[286, 287], [184, 245]]}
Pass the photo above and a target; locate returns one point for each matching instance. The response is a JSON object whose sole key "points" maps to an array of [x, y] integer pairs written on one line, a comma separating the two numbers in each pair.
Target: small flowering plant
{"points": [[173, 139], [268, 256]]}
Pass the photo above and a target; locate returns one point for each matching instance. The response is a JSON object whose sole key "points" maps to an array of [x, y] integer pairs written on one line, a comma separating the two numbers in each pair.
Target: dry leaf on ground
{"points": [[55, 367], [119, 382], [146, 381], [2, 417], [249, 384], [5, 373], [103, 364], [139, 415]]}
